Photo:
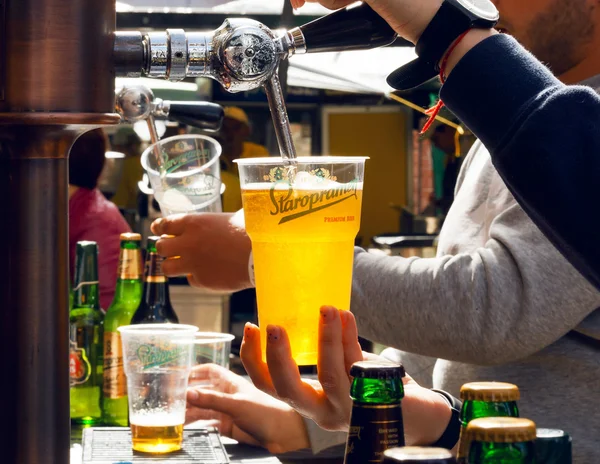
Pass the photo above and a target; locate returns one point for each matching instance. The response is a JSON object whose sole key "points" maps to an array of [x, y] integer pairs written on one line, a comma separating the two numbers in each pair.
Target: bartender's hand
{"points": [[426, 413], [211, 249], [240, 411], [409, 18]]}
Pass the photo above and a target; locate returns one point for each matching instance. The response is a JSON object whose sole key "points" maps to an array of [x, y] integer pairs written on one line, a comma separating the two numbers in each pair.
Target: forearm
{"points": [[480, 308], [543, 138]]}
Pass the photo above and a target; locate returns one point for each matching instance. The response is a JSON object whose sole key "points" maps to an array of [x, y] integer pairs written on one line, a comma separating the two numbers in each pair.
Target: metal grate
{"points": [[112, 445]]}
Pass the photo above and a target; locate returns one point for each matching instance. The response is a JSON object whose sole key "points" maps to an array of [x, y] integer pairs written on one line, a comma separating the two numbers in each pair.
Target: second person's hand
{"points": [[240, 411], [211, 249], [425, 413]]}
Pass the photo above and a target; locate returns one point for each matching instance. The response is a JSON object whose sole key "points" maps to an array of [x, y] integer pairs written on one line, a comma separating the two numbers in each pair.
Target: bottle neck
{"points": [[377, 391], [507, 453], [86, 294], [129, 279], [476, 409], [86, 291], [156, 293], [128, 291]]}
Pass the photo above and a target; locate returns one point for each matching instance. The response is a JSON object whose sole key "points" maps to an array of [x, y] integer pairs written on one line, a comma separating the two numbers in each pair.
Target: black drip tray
{"points": [[112, 445]]}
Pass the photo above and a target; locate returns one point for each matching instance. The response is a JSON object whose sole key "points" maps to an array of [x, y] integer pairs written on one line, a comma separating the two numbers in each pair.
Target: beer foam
{"points": [[314, 183]]}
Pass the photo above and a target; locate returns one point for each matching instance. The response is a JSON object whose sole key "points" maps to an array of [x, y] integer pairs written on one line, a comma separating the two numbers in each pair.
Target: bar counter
{"points": [[238, 453]]}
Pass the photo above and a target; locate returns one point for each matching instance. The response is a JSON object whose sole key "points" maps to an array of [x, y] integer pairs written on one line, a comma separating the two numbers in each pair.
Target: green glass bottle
{"points": [[553, 446], [85, 353], [376, 422], [128, 295], [485, 399], [501, 440], [418, 455], [155, 307]]}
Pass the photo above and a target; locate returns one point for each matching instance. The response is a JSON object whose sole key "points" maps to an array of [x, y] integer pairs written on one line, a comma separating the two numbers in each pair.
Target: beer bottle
{"points": [[156, 304], [418, 455], [506, 440], [128, 295], [485, 399], [85, 353], [553, 446], [376, 422]]}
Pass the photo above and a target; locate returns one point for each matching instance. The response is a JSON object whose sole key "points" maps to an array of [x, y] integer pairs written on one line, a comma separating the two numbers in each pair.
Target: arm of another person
{"points": [[501, 303], [544, 138]]}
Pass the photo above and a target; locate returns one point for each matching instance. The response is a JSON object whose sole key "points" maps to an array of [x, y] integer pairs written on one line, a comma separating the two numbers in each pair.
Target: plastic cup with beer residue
{"points": [[184, 173], [157, 362], [303, 221]]}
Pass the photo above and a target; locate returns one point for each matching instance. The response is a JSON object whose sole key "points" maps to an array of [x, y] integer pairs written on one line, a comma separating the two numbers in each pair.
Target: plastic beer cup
{"points": [[303, 223], [157, 360]]}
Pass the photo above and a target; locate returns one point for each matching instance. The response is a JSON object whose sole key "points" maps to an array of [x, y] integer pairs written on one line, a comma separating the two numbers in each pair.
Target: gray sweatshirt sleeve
{"points": [[500, 303]]}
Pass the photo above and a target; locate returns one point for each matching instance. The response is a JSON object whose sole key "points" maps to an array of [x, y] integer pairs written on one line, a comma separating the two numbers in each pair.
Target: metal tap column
{"points": [[56, 81]]}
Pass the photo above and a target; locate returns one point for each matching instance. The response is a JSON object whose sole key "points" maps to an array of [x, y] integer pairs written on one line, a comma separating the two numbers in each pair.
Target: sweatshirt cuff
{"points": [[492, 85], [321, 439]]}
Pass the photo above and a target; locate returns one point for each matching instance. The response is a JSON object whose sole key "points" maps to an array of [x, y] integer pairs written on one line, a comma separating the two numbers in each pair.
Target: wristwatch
{"points": [[452, 19]]}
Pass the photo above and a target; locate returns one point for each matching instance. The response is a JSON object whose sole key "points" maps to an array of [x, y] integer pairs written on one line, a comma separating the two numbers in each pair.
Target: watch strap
{"points": [[450, 437], [445, 27]]}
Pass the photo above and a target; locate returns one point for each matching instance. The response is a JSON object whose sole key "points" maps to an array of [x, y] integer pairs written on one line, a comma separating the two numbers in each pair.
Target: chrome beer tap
{"points": [[244, 54]]}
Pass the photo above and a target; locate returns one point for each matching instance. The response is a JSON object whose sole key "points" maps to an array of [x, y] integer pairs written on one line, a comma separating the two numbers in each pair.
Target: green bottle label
{"points": [[114, 382], [373, 429], [79, 366]]}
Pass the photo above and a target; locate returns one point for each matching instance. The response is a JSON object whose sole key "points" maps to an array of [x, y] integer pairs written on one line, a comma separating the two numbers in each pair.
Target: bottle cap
{"points": [[500, 430], [418, 454], [87, 246], [377, 370], [130, 236], [553, 446], [496, 392]]}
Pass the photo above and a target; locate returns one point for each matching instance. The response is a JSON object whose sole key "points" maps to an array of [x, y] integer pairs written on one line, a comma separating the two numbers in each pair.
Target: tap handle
{"points": [[204, 115], [356, 27]]}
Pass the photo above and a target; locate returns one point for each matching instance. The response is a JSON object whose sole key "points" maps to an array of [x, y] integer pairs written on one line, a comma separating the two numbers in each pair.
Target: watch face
{"points": [[482, 8]]}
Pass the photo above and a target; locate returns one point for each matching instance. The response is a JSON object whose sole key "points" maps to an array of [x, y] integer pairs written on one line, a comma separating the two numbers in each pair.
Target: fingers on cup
{"points": [[331, 366], [175, 267], [251, 356], [283, 369], [352, 350], [172, 225]]}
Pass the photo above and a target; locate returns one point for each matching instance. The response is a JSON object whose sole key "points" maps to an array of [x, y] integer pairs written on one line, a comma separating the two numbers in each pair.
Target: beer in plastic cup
{"points": [[157, 360], [303, 223]]}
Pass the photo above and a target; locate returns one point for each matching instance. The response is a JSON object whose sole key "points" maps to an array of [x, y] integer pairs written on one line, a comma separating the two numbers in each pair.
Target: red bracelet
{"points": [[434, 111]]}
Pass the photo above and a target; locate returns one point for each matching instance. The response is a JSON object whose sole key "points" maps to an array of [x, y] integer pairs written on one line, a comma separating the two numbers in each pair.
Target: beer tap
{"points": [[137, 103], [244, 54]]}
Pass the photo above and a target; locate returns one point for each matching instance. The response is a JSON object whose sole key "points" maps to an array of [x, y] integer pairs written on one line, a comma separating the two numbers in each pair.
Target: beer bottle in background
{"points": [[485, 399], [506, 440], [156, 304], [128, 295], [376, 422], [418, 455], [553, 446], [85, 353]]}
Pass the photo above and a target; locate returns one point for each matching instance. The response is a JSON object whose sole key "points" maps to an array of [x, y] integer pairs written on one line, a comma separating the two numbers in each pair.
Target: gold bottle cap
{"points": [[130, 236], [500, 430], [496, 392]]}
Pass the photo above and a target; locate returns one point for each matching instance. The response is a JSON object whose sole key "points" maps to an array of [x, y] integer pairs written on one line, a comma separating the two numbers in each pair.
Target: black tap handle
{"points": [[204, 115], [356, 27]]}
